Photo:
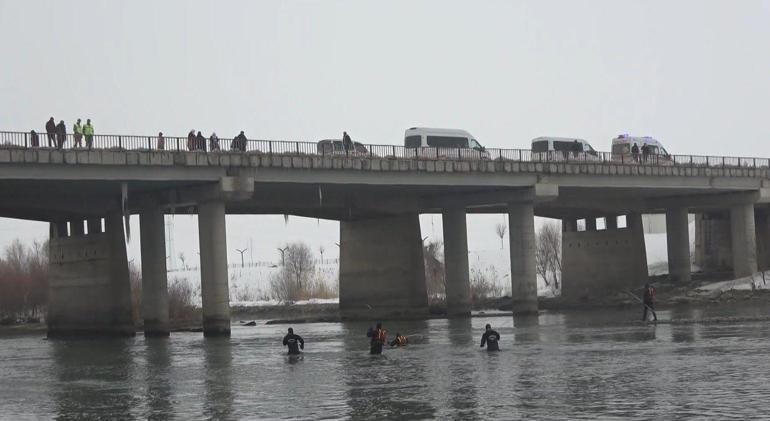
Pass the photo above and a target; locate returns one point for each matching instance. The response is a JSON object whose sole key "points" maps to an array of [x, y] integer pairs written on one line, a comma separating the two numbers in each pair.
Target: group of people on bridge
{"points": [[378, 337], [57, 134]]}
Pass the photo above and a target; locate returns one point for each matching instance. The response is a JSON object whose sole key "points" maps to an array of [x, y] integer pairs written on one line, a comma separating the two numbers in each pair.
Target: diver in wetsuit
{"points": [[294, 342], [379, 337], [490, 339]]}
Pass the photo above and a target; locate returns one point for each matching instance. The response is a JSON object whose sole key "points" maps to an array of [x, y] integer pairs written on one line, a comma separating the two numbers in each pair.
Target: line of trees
{"points": [[23, 282]]}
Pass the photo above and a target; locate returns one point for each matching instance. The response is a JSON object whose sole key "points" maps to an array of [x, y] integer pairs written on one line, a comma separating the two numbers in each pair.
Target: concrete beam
{"points": [[457, 271], [215, 292], [678, 242], [154, 278], [521, 226], [743, 238]]}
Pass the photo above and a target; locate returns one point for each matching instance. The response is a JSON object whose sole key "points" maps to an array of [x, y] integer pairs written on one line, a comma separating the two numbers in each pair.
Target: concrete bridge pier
{"points": [[678, 242], [89, 287], [215, 292], [521, 228], [457, 272], [743, 238], [382, 272], [154, 278]]}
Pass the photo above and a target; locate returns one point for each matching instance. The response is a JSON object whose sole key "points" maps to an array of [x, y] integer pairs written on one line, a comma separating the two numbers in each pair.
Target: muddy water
{"points": [[585, 365]]}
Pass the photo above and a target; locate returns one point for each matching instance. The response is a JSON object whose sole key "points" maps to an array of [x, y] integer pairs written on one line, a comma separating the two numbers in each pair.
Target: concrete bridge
{"points": [[377, 196]]}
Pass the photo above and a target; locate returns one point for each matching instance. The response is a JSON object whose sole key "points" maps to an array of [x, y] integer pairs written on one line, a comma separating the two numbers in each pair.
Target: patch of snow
{"points": [[759, 280]]}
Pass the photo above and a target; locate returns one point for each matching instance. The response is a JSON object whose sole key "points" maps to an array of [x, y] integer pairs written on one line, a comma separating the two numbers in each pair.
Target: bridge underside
{"points": [[381, 271]]}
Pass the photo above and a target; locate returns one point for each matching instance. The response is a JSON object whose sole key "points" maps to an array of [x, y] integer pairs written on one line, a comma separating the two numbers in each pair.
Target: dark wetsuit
{"points": [[490, 338], [376, 342], [294, 342], [649, 295]]}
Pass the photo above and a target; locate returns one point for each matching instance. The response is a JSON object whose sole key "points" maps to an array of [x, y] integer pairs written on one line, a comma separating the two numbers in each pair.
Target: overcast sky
{"points": [[694, 74]]}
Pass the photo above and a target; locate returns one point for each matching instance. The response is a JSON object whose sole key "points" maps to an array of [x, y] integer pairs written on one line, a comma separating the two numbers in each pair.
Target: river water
{"points": [[583, 365]]}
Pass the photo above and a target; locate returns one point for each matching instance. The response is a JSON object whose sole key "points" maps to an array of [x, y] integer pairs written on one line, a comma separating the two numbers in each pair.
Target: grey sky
{"points": [[694, 74]]}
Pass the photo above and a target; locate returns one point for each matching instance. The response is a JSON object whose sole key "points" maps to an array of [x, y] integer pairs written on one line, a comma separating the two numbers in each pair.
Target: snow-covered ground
{"points": [[759, 280]]}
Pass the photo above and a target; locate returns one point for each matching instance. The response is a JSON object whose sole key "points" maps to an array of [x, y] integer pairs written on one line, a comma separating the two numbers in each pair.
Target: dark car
{"points": [[335, 147]]}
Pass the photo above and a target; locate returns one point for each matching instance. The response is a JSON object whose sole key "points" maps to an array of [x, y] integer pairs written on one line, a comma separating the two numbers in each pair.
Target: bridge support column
{"points": [[382, 272], [611, 222], [215, 292], [521, 226], [713, 248], [678, 242], [89, 287], [591, 224], [596, 263], [457, 272], [154, 278], [743, 238], [569, 225]]}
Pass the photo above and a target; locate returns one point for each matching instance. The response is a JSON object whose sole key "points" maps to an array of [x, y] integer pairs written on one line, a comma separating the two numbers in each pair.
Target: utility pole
{"points": [[283, 253]]}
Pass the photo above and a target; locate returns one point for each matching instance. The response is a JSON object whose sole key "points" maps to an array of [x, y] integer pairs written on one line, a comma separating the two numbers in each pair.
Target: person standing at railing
{"points": [[200, 142], [635, 152], [50, 128], [191, 140], [61, 134], [239, 143], [347, 143], [161, 141], [214, 142], [77, 130], [645, 152], [34, 139], [88, 131]]}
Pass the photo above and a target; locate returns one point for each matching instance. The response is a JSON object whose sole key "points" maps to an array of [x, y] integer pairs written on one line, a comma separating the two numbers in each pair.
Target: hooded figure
{"points": [[294, 342], [213, 142], [61, 134], [490, 339], [50, 129]]}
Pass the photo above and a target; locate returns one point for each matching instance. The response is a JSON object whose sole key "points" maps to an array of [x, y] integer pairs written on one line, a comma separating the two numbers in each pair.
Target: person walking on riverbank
{"points": [[294, 342], [648, 301], [490, 338], [378, 337]]}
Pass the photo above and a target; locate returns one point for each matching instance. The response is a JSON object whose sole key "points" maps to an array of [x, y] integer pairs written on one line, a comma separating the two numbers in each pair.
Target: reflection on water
{"points": [[574, 365]]}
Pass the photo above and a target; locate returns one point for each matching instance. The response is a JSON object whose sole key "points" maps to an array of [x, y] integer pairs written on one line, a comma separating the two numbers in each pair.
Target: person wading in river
{"points": [[490, 339], [400, 340], [379, 337], [294, 342], [648, 301]]}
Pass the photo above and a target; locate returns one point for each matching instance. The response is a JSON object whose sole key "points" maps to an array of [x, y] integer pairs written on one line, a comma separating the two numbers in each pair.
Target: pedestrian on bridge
{"points": [[191, 140], [61, 134], [635, 152], [213, 142], [200, 142], [239, 142], [645, 152], [77, 130], [34, 139], [347, 143], [161, 141], [88, 131], [50, 128]]}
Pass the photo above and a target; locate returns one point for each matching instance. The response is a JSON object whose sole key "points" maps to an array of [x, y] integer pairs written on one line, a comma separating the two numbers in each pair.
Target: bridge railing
{"points": [[281, 147]]}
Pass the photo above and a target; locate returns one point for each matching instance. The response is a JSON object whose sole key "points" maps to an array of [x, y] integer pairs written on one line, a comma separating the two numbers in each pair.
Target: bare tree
{"points": [[434, 268], [500, 229], [321, 250], [297, 272], [548, 255]]}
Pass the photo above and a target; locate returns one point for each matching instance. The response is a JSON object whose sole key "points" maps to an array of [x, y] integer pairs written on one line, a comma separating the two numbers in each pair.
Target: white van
{"points": [[443, 144], [622, 150], [562, 149]]}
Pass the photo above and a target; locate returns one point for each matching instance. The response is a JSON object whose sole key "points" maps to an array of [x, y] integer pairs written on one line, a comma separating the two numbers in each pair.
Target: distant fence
{"points": [[318, 262], [283, 147]]}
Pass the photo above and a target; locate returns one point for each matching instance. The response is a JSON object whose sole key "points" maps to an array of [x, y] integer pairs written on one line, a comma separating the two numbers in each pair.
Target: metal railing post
{"points": [[270, 147], [120, 142], [296, 144], [25, 140], [149, 143]]}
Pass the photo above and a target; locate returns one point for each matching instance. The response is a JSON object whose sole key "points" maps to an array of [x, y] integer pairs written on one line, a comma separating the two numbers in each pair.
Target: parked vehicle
{"points": [[562, 149], [443, 144], [336, 147], [650, 150]]}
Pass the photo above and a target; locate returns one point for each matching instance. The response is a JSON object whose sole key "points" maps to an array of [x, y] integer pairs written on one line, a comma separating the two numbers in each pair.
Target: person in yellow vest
{"points": [[88, 130], [77, 130], [400, 340]]}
